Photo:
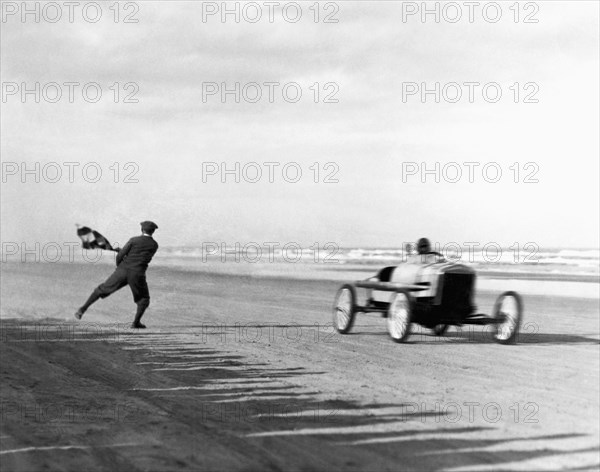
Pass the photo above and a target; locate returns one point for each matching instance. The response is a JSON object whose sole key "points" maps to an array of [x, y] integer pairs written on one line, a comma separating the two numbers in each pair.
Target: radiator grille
{"points": [[457, 293]]}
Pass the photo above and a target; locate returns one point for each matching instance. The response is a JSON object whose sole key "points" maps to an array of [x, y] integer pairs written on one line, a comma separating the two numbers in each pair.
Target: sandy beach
{"points": [[246, 373]]}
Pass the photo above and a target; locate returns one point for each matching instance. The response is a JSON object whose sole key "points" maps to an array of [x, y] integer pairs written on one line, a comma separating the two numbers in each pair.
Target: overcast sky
{"points": [[369, 53]]}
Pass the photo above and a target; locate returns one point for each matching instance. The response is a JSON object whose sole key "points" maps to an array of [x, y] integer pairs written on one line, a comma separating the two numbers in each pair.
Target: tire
{"points": [[399, 317], [344, 308], [509, 306], [440, 329]]}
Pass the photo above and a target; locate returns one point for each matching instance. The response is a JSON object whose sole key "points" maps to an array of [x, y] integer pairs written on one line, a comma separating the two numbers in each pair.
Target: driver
{"points": [[423, 246], [425, 254]]}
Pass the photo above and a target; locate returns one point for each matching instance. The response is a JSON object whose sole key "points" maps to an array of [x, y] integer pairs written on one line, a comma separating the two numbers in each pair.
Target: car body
{"points": [[430, 291]]}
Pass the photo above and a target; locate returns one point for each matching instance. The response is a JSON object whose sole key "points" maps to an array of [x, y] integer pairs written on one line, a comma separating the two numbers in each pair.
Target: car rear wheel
{"points": [[508, 311], [344, 308], [400, 316]]}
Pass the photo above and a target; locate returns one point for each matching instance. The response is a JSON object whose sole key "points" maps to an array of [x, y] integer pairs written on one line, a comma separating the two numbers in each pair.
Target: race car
{"points": [[430, 291]]}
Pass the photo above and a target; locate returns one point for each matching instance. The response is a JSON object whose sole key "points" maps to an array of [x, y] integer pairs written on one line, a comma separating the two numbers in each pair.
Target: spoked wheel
{"points": [[344, 308], [400, 316], [440, 329], [508, 310]]}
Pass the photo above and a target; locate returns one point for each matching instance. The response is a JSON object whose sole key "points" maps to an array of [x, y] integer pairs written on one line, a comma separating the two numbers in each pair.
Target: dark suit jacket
{"points": [[137, 253]]}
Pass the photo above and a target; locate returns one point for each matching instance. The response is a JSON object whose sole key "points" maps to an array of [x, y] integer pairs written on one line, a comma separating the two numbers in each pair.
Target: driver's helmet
{"points": [[423, 246]]}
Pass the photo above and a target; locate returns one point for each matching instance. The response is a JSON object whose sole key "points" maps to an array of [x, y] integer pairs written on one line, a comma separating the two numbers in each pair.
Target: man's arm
{"points": [[153, 252], [123, 252]]}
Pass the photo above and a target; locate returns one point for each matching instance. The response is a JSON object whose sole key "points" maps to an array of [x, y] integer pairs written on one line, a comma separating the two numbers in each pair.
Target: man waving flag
{"points": [[132, 262]]}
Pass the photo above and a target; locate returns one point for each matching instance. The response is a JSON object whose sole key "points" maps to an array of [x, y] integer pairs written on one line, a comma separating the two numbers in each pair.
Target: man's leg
{"points": [[141, 296], [91, 300], [141, 308], [116, 281]]}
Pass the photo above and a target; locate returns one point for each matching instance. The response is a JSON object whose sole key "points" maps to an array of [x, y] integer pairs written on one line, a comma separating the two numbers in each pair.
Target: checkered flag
{"points": [[91, 239]]}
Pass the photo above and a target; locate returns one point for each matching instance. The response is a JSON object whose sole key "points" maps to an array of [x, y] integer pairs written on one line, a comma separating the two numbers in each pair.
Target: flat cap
{"points": [[151, 225]]}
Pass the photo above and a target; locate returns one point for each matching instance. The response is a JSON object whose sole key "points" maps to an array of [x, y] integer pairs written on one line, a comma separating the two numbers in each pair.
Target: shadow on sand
{"points": [[265, 413]]}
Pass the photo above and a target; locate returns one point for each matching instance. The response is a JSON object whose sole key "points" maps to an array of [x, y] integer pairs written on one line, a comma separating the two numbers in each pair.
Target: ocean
{"points": [[528, 259], [332, 262]]}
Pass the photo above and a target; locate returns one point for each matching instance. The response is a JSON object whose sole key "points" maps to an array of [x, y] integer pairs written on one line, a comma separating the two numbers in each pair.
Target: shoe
{"points": [[78, 314], [138, 326]]}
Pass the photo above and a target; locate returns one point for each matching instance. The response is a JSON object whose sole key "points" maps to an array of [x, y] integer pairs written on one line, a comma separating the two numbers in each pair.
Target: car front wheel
{"points": [[400, 316]]}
